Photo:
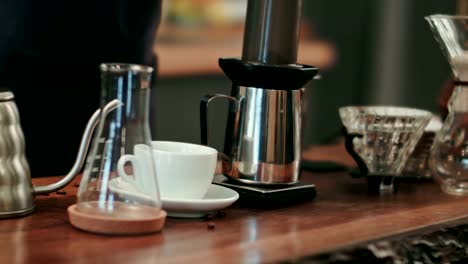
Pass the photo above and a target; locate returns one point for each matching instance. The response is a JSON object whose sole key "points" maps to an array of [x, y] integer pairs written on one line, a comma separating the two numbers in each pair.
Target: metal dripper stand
{"points": [[262, 148]]}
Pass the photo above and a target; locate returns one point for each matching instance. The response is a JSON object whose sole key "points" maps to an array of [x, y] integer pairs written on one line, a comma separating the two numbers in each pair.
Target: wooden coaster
{"points": [[130, 222]]}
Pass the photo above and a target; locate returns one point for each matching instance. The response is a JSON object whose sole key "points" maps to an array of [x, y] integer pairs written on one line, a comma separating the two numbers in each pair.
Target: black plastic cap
{"points": [[274, 77]]}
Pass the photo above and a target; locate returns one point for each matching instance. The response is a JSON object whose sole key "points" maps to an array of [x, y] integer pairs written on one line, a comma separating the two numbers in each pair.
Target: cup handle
{"points": [[121, 167]]}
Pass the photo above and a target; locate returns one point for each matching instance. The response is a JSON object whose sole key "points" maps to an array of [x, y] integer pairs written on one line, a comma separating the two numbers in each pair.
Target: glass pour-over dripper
{"points": [[380, 139], [119, 193], [449, 153]]}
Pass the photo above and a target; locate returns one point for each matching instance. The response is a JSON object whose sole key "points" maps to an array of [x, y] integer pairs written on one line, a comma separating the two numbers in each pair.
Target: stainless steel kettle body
{"points": [[15, 183], [16, 190]]}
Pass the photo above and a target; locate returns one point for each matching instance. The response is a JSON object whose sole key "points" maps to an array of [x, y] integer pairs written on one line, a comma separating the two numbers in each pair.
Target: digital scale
{"points": [[268, 195]]}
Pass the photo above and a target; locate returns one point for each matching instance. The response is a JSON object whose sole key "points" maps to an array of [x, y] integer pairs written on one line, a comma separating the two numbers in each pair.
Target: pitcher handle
{"points": [[205, 100], [82, 151]]}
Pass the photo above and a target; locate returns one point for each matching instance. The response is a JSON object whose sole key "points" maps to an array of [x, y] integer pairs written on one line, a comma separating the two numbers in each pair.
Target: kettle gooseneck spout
{"points": [[82, 151]]}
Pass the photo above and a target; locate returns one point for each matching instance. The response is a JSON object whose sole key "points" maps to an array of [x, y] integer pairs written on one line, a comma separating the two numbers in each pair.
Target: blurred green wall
{"points": [[354, 28]]}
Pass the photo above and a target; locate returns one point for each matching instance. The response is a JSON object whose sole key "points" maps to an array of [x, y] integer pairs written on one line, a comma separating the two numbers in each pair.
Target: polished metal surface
{"points": [[271, 33], [15, 179], [16, 190], [6, 96], [18, 213], [263, 135], [125, 68], [222, 180]]}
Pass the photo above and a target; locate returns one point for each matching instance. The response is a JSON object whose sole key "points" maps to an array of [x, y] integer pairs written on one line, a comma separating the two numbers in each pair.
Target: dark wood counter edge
{"points": [[417, 230], [350, 234]]}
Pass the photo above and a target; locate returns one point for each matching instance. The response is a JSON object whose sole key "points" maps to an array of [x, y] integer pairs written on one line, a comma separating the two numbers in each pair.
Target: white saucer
{"points": [[217, 198], [129, 191]]}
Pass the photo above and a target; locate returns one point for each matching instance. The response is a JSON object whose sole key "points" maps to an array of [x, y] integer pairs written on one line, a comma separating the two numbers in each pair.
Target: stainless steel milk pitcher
{"points": [[262, 143]]}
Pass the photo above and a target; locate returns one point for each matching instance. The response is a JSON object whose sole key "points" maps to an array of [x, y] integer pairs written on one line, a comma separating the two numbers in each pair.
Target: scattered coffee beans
{"points": [[211, 225]]}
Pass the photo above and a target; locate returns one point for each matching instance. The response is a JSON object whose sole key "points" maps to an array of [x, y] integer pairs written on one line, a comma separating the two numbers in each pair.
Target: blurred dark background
{"points": [[386, 54], [369, 52]]}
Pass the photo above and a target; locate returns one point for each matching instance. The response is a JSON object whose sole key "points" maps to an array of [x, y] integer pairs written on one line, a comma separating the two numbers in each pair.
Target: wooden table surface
{"points": [[343, 213]]}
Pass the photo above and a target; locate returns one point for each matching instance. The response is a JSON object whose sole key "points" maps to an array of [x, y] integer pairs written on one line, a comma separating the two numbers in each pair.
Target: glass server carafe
{"points": [[449, 152], [119, 193]]}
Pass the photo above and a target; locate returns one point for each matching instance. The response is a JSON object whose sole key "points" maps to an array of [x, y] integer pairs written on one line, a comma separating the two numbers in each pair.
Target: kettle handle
{"points": [[205, 100], [82, 151]]}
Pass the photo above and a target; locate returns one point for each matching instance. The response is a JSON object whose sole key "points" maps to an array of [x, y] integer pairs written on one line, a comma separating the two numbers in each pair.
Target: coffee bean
{"points": [[211, 225], [220, 214], [209, 217]]}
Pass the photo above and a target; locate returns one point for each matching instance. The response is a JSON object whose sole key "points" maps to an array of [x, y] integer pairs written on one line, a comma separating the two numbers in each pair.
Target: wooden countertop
{"points": [[342, 214]]}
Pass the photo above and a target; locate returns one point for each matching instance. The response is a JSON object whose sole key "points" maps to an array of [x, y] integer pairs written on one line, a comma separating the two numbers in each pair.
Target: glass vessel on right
{"points": [[449, 152]]}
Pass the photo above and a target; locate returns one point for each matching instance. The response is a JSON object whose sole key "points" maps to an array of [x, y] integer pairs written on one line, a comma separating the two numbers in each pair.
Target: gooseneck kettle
{"points": [[16, 189]]}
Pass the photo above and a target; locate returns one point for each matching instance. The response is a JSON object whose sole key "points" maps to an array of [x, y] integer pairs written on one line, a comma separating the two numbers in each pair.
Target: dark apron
{"points": [[49, 57]]}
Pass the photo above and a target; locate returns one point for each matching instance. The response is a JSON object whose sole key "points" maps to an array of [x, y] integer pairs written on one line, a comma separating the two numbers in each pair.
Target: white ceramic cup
{"points": [[184, 170]]}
